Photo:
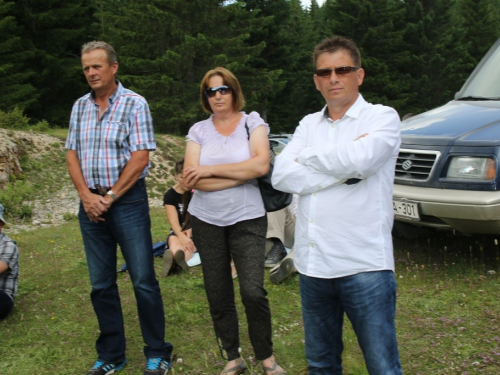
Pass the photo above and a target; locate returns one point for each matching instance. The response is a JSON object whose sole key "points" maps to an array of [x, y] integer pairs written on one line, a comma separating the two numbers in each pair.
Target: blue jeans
{"points": [[128, 225], [369, 301]]}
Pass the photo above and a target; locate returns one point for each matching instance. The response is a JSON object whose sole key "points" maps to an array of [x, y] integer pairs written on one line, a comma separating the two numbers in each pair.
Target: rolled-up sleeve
{"points": [[142, 135]]}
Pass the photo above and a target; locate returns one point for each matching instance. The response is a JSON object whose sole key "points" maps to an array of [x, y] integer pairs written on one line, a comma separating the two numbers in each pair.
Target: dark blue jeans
{"points": [[369, 301], [128, 225]]}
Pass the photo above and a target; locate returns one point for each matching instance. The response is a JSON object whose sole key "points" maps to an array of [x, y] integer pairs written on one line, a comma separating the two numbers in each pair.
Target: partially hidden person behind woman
{"points": [[228, 215], [179, 247]]}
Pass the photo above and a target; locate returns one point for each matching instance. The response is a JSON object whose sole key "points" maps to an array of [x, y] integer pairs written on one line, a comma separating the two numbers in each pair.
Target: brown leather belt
{"points": [[99, 190]]}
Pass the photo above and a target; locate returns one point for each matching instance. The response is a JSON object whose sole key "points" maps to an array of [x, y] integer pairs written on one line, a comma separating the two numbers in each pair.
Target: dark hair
{"points": [[186, 216], [334, 44], [230, 80], [179, 166]]}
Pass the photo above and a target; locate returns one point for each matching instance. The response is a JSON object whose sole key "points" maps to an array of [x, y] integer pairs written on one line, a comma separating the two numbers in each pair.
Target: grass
{"points": [[53, 328], [448, 307], [448, 311], [60, 133], [448, 316]]}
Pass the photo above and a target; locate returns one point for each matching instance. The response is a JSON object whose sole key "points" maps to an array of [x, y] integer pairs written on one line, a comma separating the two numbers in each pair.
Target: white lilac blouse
{"points": [[229, 206]]}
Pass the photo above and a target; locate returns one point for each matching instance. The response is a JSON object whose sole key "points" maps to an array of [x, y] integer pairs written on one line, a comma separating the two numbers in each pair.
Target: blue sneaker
{"points": [[157, 366], [101, 368]]}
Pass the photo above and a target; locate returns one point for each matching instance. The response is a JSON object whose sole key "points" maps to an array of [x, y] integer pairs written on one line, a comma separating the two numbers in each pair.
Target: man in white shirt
{"points": [[341, 162]]}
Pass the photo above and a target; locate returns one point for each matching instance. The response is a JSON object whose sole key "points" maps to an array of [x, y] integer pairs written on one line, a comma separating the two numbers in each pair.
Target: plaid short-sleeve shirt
{"points": [[105, 145], [9, 255]]}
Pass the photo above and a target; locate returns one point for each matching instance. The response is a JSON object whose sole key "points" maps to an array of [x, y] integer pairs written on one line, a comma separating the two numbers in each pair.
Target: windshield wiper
{"points": [[476, 98]]}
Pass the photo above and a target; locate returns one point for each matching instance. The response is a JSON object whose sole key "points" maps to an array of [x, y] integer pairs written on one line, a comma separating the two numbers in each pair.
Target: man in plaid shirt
{"points": [[109, 140], [9, 270]]}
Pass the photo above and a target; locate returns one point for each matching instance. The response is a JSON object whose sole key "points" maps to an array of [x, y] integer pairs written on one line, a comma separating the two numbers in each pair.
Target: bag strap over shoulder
{"points": [[272, 154], [246, 127]]}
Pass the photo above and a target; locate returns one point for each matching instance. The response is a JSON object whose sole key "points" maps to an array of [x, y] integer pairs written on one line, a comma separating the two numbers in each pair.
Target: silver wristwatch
{"points": [[112, 195]]}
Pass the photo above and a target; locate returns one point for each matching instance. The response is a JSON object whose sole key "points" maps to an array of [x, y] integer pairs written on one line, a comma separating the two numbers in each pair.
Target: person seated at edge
{"points": [[280, 224], [180, 246], [9, 270], [281, 233], [228, 217]]}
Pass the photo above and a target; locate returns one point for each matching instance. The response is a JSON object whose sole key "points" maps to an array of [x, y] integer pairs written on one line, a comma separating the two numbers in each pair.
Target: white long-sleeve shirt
{"points": [[341, 229]]}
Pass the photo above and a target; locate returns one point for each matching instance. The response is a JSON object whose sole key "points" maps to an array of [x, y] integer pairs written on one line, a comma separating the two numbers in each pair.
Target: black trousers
{"points": [[245, 243], [6, 304]]}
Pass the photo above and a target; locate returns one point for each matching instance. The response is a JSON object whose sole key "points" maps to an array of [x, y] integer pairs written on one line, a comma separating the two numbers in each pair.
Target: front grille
{"points": [[416, 165]]}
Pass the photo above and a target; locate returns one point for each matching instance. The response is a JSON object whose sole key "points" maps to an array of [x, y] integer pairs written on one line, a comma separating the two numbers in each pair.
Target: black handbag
{"points": [[274, 200]]}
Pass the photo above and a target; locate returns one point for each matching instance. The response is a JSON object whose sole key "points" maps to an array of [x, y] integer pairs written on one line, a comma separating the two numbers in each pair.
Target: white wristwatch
{"points": [[112, 195]]}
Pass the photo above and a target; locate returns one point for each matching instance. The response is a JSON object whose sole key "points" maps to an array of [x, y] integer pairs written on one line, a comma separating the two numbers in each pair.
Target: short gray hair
{"points": [[95, 44]]}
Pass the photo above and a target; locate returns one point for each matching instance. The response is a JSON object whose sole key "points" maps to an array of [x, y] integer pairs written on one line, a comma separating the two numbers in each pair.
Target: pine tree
{"points": [[15, 72], [439, 61], [299, 96], [165, 48], [289, 35], [481, 22], [53, 31], [373, 25]]}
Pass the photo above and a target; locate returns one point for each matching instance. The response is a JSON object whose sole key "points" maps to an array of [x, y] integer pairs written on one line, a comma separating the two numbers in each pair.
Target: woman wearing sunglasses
{"points": [[228, 215]]}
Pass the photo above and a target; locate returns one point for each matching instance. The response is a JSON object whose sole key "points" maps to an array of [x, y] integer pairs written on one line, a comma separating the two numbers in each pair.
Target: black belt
{"points": [[99, 190]]}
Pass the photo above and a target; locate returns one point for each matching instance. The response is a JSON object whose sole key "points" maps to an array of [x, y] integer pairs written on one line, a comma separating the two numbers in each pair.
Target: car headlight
{"points": [[472, 168]]}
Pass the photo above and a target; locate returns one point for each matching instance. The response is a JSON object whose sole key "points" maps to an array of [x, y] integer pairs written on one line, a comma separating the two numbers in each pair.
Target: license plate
{"points": [[406, 209]]}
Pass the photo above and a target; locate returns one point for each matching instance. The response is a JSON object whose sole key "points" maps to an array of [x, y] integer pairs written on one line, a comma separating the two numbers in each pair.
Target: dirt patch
{"points": [[61, 203]]}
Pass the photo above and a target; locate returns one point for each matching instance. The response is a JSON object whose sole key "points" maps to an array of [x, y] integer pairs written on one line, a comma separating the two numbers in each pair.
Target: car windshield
{"points": [[485, 84]]}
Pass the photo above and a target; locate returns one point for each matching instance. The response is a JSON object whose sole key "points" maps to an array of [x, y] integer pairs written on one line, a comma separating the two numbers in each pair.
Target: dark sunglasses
{"points": [[342, 71], [211, 91]]}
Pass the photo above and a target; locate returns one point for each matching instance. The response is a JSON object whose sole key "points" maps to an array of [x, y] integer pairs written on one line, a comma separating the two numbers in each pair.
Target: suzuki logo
{"points": [[407, 164]]}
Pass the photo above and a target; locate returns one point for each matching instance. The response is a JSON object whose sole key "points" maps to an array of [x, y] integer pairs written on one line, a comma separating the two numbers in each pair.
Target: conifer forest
{"points": [[416, 53]]}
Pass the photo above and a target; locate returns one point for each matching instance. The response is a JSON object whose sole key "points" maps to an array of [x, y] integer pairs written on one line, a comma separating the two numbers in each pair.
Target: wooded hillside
{"points": [[417, 53]]}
